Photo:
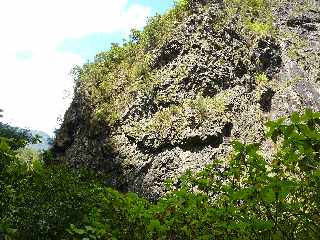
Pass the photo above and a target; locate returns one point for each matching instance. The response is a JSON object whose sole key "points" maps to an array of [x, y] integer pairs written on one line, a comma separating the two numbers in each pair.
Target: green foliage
{"points": [[182, 4], [262, 78], [42, 204], [27, 160], [19, 137], [159, 27], [247, 197], [251, 198], [177, 118], [206, 106], [117, 76], [260, 28], [255, 15], [301, 140]]}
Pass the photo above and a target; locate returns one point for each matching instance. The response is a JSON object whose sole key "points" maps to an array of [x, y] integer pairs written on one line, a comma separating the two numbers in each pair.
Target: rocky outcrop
{"points": [[216, 82]]}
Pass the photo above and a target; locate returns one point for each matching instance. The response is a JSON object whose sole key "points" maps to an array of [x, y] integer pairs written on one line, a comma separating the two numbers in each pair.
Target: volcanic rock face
{"points": [[215, 82]]}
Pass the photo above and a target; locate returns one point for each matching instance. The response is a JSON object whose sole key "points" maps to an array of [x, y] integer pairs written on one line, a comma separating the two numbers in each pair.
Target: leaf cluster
{"points": [[247, 197]]}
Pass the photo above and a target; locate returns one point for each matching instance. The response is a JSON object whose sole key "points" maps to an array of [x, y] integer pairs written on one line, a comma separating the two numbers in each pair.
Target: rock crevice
{"points": [[215, 79]]}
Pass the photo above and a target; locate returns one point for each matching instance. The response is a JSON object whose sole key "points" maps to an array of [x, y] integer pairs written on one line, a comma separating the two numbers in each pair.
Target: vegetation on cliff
{"points": [[118, 76], [178, 92], [195, 79]]}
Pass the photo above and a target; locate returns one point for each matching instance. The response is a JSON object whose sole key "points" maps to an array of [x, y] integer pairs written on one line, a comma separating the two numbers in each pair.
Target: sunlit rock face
{"points": [[216, 78]]}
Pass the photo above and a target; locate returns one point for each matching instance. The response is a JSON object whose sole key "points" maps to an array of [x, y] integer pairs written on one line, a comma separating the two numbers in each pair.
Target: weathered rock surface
{"points": [[208, 93]]}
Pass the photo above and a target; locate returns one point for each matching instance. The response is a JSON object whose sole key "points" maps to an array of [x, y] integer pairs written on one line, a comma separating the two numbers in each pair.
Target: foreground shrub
{"points": [[247, 197]]}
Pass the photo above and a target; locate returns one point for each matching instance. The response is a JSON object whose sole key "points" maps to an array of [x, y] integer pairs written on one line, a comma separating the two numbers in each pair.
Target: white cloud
{"points": [[31, 89], [42, 23]]}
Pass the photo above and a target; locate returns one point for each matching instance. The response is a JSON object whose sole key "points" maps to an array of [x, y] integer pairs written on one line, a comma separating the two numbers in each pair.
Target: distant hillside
{"points": [[11, 131], [46, 140]]}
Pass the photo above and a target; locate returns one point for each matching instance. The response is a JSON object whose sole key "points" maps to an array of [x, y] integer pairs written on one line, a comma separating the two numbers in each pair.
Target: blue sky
{"points": [[42, 40], [89, 45]]}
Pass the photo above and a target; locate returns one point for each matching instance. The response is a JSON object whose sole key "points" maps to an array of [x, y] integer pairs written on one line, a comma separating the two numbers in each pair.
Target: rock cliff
{"points": [[174, 96]]}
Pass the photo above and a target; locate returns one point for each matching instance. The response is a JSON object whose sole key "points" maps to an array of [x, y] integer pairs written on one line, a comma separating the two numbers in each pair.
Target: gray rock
{"points": [[207, 95]]}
